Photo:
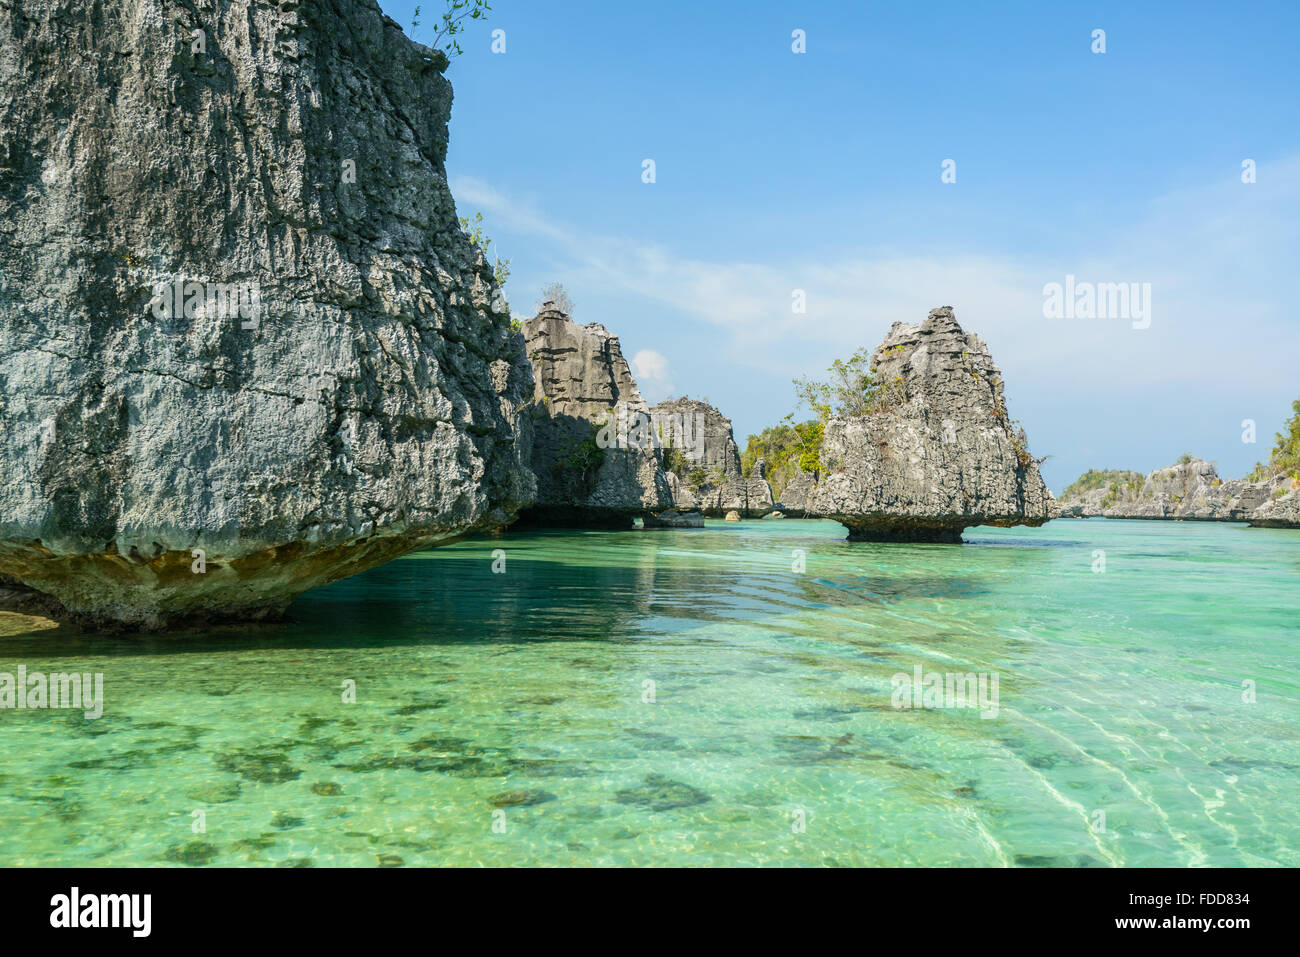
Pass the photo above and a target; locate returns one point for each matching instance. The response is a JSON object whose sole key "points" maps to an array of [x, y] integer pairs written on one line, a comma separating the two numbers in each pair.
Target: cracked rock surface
{"points": [[369, 405]]}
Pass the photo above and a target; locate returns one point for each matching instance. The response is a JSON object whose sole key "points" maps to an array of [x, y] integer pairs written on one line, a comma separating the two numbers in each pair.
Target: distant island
{"points": [[1192, 490]]}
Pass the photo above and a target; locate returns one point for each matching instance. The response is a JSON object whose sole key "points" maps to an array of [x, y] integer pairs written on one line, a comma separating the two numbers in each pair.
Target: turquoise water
{"points": [[506, 718]]}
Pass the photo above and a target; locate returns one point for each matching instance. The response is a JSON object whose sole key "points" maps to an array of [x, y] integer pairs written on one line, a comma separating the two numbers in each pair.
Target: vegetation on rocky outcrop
{"points": [[581, 456], [1103, 478], [703, 463], [1191, 489], [788, 449], [555, 296], [474, 230], [851, 389], [1285, 459]]}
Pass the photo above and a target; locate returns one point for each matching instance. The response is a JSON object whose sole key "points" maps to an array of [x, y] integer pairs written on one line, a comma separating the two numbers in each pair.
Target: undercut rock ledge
{"points": [[165, 465]]}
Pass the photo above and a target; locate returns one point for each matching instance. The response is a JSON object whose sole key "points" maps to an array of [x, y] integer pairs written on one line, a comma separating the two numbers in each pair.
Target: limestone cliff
{"points": [[796, 497], [584, 388], [938, 454], [245, 348], [704, 470]]}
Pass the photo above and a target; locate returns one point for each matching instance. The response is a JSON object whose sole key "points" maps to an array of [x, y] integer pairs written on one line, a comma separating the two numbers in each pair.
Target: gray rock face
{"points": [[1282, 508], [796, 497], [939, 455], [1191, 491], [338, 383], [583, 383], [708, 477]]}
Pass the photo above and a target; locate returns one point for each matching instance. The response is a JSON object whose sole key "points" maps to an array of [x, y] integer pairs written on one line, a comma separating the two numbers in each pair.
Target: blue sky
{"points": [[821, 171]]}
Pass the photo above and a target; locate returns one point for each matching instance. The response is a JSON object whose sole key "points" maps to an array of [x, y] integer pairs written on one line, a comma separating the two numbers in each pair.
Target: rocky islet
{"points": [[939, 453]]}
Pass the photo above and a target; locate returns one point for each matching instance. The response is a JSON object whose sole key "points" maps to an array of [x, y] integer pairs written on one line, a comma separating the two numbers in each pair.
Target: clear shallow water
{"points": [[1118, 692]]}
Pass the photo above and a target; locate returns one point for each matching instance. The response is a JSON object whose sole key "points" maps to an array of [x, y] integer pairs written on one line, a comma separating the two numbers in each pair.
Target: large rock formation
{"points": [[938, 454], [245, 349], [704, 471], [593, 468], [1189, 490]]}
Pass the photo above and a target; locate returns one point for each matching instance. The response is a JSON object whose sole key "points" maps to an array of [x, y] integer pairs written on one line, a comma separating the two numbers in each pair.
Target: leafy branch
{"points": [[452, 23]]}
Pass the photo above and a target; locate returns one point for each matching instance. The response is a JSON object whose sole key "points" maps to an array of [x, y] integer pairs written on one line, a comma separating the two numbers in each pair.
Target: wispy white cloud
{"points": [[1220, 259]]}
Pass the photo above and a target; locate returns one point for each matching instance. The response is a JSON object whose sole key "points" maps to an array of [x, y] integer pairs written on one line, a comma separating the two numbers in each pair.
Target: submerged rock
{"points": [[193, 854], [527, 797], [582, 385], [938, 455], [246, 349], [661, 793], [675, 520], [219, 792]]}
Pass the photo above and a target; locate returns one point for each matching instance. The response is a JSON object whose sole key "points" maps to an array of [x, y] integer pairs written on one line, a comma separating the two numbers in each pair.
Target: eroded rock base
{"points": [[108, 591]]}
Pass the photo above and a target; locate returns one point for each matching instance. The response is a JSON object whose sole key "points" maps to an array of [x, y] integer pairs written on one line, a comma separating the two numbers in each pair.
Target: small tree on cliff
{"points": [[500, 269], [474, 229], [557, 296], [851, 390], [452, 22]]}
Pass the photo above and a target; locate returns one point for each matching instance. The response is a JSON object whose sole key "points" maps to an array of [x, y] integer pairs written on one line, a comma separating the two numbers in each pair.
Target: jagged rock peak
{"points": [[578, 368]]}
